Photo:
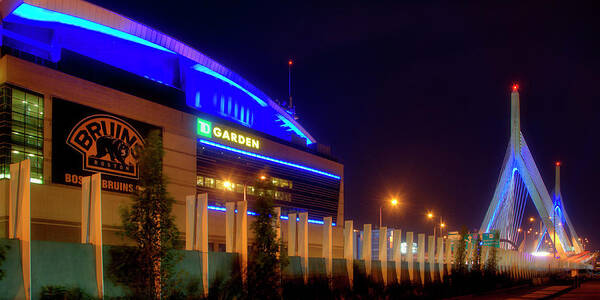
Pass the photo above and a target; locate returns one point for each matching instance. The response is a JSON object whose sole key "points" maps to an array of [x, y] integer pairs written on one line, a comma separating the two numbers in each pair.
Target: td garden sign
{"points": [[230, 136]]}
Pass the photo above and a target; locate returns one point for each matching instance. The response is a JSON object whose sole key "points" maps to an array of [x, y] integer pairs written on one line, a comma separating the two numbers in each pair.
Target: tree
{"points": [[477, 258], [491, 265], [267, 256], [461, 253], [147, 267]]}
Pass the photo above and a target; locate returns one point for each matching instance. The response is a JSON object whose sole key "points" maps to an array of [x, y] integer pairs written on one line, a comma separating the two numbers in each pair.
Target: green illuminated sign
{"points": [[204, 128], [208, 130]]}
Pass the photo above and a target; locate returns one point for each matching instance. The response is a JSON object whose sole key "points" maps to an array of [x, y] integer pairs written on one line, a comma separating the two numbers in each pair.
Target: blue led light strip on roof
{"points": [[250, 213], [288, 124], [205, 70], [269, 159], [35, 13]]}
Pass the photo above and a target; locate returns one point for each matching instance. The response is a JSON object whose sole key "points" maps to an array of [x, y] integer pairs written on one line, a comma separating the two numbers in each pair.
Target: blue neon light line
{"points": [[537, 248], [251, 213], [288, 124], [205, 70], [269, 159], [35, 13], [499, 202]]}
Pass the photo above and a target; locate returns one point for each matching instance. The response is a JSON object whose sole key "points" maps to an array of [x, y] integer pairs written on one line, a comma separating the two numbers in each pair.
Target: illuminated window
{"points": [[282, 183], [209, 182], [21, 131], [250, 190], [239, 188], [199, 181], [220, 184]]}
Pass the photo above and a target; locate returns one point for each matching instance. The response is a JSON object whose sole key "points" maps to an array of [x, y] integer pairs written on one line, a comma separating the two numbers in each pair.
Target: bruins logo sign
{"points": [[108, 145]]}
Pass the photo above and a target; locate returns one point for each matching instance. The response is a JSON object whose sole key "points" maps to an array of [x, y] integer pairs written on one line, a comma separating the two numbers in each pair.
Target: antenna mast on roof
{"points": [[290, 105]]}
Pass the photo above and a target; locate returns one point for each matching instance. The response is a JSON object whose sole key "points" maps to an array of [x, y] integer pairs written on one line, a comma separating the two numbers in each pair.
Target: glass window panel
{"points": [[22, 121], [209, 182]]}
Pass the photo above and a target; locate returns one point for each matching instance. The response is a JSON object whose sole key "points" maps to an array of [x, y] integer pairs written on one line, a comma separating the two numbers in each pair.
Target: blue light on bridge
{"points": [[269, 159], [35, 13], [251, 213], [205, 70], [499, 202]]}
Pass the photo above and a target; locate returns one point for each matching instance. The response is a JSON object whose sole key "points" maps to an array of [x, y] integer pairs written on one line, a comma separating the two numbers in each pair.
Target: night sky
{"points": [[414, 98]]}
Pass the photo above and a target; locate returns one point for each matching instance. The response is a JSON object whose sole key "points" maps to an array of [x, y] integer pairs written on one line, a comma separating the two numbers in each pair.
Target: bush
{"points": [[62, 293]]}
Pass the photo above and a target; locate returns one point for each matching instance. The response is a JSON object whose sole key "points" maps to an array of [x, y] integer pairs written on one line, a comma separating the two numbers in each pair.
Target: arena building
{"points": [[82, 86]]}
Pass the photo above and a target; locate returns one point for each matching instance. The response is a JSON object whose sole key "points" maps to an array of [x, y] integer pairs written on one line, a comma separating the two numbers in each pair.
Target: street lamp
{"points": [[430, 217], [392, 202], [442, 226]]}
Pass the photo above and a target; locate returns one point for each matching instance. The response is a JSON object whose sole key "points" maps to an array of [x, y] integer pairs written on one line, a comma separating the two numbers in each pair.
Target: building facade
{"points": [[80, 89]]}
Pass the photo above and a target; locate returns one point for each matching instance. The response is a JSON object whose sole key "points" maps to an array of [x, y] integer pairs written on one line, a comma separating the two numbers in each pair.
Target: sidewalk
{"points": [[588, 290], [544, 293]]}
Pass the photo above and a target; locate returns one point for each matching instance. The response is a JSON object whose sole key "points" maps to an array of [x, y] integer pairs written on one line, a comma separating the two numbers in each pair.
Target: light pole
{"points": [[442, 225], [393, 202], [430, 217]]}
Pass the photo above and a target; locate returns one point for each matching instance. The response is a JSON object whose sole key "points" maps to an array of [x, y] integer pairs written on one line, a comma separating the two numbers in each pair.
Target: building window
{"points": [[226, 185], [21, 131]]}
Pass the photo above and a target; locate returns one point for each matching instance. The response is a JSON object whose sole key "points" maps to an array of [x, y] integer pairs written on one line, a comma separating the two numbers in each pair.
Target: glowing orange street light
{"points": [[263, 177], [531, 219]]}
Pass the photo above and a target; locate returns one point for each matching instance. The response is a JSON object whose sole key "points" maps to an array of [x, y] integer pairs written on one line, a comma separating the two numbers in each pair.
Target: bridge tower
{"points": [[519, 181]]}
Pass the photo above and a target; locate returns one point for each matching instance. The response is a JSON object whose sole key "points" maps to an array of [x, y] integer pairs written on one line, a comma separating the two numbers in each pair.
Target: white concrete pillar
{"points": [[431, 257], [303, 243], [197, 231], [349, 250], [421, 256], [366, 248], [19, 217], [91, 223], [449, 258], [230, 227], [512, 264], [410, 256], [440, 257], [292, 235], [383, 259], [397, 253], [327, 246], [241, 230]]}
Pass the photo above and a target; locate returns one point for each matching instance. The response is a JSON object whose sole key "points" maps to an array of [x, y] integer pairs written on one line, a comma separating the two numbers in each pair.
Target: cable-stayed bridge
{"points": [[519, 183]]}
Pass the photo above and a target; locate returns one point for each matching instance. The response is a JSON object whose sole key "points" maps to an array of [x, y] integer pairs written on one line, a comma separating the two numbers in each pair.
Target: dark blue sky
{"points": [[414, 98]]}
